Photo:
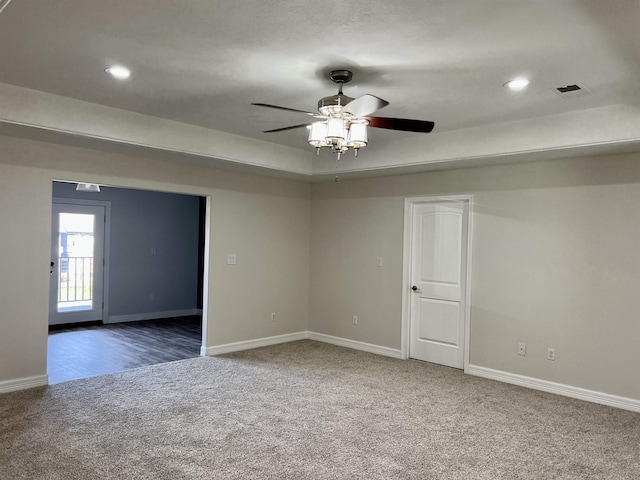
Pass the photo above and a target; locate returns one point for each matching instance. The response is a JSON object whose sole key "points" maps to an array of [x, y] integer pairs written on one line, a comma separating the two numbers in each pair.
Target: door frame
{"points": [[409, 203], [107, 243]]}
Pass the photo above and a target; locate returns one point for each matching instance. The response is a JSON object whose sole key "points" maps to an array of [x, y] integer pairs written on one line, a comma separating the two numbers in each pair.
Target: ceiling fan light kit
{"points": [[343, 120], [339, 134], [341, 130]]}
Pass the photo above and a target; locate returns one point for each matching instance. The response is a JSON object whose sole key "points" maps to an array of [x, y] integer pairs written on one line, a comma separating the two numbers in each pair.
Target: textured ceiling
{"points": [[202, 62]]}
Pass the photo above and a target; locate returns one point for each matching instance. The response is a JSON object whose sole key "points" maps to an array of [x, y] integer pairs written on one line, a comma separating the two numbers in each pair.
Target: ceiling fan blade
{"points": [[364, 105], [404, 124], [287, 128], [283, 108]]}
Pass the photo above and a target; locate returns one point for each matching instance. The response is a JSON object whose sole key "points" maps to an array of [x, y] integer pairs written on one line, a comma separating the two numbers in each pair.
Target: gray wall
{"points": [[142, 220]]}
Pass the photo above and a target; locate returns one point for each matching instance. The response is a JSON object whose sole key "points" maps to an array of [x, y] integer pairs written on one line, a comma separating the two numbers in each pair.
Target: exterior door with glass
{"points": [[77, 263]]}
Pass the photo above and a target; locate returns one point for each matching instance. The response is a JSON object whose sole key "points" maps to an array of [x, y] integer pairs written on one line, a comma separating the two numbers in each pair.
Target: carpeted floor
{"points": [[307, 410]]}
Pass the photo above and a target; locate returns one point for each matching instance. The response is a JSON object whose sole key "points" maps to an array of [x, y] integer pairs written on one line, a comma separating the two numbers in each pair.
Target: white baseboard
{"points": [[354, 344], [292, 337], [249, 344], [557, 388], [24, 383], [152, 315]]}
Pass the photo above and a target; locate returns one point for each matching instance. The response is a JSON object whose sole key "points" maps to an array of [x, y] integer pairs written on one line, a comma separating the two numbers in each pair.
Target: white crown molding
{"points": [[554, 136], [47, 117], [44, 112]]}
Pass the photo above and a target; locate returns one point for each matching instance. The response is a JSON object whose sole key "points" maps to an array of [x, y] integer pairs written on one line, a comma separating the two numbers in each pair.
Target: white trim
{"points": [[292, 337], [557, 388], [406, 272], [16, 384], [208, 226], [134, 317], [467, 312], [106, 271], [354, 344], [249, 344], [406, 269]]}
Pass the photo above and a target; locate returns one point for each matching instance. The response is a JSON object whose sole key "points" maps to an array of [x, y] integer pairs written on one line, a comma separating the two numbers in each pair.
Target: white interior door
{"points": [[77, 263], [438, 282]]}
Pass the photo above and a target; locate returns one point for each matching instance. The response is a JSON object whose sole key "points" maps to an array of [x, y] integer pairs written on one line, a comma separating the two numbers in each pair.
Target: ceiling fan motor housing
{"points": [[333, 104]]}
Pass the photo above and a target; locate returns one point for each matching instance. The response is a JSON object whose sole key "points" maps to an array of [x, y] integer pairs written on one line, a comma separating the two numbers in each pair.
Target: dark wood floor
{"points": [[85, 351]]}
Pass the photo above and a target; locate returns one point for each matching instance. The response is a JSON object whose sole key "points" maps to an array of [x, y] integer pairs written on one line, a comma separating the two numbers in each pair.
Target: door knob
{"points": [[414, 288]]}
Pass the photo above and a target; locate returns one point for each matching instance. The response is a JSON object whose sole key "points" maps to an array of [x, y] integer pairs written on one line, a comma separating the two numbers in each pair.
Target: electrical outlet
{"points": [[273, 316], [152, 297], [522, 348], [231, 259], [551, 354], [379, 262], [354, 321]]}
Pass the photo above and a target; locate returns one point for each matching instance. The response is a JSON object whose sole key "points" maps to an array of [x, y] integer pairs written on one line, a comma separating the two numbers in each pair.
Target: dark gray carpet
{"points": [[307, 410]]}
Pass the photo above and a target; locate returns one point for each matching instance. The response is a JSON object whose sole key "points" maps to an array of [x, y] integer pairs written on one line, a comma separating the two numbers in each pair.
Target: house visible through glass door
{"points": [[77, 263]]}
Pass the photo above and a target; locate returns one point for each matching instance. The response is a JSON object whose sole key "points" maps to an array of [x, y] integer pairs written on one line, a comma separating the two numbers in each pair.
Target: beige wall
{"points": [[25, 222], [555, 257], [555, 264], [348, 233], [264, 221]]}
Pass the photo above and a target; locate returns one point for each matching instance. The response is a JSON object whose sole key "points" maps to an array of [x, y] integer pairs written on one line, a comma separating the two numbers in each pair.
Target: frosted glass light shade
{"points": [[317, 134], [340, 133], [358, 135], [336, 129]]}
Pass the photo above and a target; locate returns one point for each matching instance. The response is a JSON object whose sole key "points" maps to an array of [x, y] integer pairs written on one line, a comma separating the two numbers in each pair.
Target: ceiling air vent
{"points": [[573, 90]]}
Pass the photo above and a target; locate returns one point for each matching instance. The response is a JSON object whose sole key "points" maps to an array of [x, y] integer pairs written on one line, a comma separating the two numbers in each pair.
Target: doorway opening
{"points": [[127, 280]]}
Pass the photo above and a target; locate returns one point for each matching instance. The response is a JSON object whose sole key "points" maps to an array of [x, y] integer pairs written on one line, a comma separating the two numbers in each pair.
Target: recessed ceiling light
{"points": [[87, 187], [517, 84], [118, 71]]}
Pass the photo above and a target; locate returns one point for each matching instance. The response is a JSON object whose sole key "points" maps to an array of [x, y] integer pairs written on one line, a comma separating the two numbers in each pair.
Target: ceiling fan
{"points": [[341, 122]]}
